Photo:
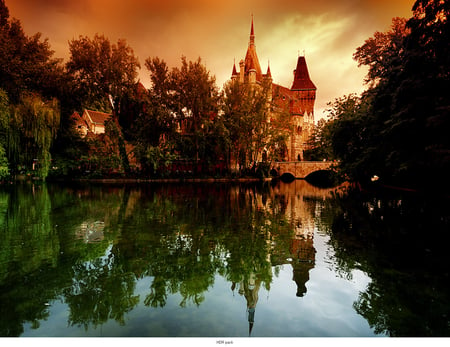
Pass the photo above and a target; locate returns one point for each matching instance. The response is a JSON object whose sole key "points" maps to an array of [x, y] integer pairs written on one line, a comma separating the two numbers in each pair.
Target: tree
{"points": [[34, 125], [153, 131], [421, 103], [26, 63], [382, 52], [253, 126], [195, 96], [397, 128], [350, 132], [319, 144], [100, 69], [178, 115]]}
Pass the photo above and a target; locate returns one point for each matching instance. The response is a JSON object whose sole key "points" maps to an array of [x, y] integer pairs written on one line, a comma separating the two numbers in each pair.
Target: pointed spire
{"points": [[301, 76], [234, 72], [252, 34], [251, 58], [268, 74]]}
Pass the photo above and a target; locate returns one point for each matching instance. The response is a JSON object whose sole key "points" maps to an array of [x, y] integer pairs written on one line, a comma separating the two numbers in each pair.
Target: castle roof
{"points": [[268, 74], [301, 77]]}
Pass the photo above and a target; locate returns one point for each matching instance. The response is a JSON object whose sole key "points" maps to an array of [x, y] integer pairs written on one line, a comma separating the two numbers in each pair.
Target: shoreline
{"points": [[162, 180]]}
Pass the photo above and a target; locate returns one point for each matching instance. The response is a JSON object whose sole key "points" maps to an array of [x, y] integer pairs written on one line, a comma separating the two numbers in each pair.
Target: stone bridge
{"points": [[301, 169]]}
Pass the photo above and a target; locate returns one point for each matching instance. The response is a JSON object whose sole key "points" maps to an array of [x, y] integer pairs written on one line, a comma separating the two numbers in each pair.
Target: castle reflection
{"points": [[297, 202]]}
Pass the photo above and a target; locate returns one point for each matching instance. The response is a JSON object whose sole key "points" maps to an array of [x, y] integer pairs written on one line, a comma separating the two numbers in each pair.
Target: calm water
{"points": [[221, 260]]}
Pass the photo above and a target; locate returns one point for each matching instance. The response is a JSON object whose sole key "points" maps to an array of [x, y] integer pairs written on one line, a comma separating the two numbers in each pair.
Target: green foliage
{"points": [[195, 96], [250, 133], [159, 156], [4, 169], [99, 69], [34, 125], [319, 144], [178, 115], [4, 117]]}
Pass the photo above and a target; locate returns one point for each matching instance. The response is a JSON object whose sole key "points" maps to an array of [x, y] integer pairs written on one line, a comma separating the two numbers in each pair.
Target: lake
{"points": [[222, 260]]}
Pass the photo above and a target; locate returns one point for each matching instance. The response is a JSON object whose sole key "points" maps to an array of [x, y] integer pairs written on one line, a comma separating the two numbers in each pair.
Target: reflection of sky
{"points": [[325, 310]]}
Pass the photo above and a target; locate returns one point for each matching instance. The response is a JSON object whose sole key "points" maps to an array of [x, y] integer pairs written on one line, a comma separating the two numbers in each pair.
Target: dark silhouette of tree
{"points": [[26, 62], [397, 132]]}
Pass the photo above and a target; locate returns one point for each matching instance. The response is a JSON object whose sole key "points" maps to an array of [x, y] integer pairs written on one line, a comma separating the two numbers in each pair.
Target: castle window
{"points": [[299, 130]]}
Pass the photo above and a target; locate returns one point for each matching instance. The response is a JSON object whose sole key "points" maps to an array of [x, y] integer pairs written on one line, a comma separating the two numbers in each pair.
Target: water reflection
{"points": [[142, 256]]}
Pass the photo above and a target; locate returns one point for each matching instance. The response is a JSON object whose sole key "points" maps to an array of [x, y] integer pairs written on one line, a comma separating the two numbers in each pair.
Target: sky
{"points": [[326, 32]]}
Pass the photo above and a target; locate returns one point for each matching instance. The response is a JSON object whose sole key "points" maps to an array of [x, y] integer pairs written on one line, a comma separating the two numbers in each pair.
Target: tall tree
{"points": [[154, 129], [397, 128], [26, 62], [253, 126], [411, 103], [100, 69], [383, 52], [196, 101]]}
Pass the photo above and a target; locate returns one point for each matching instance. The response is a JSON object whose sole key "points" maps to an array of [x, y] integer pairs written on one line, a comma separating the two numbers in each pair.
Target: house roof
{"points": [[301, 77], [97, 117], [77, 119]]}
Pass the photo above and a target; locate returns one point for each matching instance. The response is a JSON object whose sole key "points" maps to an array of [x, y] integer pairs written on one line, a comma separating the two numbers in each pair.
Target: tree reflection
{"points": [[88, 246], [389, 238], [29, 249], [100, 291]]}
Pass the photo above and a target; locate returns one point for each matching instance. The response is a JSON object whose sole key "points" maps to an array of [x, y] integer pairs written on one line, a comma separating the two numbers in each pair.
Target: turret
{"points": [[234, 73], [241, 71]]}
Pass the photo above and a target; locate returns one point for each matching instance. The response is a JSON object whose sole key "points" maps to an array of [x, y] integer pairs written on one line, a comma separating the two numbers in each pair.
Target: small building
{"points": [[95, 120], [90, 122]]}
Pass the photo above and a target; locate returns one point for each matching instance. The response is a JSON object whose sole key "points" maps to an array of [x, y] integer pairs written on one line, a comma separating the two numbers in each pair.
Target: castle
{"points": [[298, 101]]}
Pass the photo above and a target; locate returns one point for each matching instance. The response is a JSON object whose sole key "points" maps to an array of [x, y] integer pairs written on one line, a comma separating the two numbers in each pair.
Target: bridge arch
{"points": [[287, 177], [301, 169]]}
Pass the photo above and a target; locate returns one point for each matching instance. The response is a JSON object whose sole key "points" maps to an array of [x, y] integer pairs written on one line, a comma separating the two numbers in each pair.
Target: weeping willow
{"points": [[34, 125]]}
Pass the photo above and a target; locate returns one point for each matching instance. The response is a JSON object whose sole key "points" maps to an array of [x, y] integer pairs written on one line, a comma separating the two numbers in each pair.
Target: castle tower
{"points": [[298, 101], [249, 68], [302, 109], [304, 88]]}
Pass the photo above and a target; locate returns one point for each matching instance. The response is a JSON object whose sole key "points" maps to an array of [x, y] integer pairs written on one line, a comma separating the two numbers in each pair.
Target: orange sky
{"points": [[327, 31]]}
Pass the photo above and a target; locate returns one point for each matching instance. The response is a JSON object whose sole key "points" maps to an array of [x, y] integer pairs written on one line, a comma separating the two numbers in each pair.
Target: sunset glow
{"points": [[326, 32]]}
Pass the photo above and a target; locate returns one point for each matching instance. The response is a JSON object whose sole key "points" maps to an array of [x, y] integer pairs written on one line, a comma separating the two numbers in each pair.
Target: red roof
{"points": [[268, 74], [301, 77], [234, 72], [98, 117]]}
